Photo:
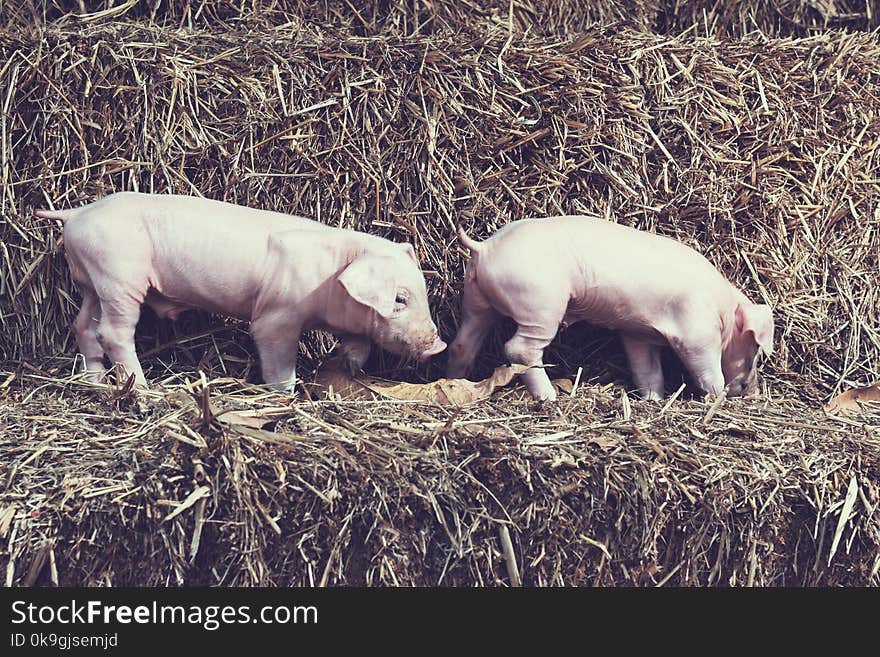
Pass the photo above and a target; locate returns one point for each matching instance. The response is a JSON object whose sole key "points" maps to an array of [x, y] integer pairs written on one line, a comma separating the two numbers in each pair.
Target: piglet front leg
{"points": [[700, 353], [526, 347], [478, 318], [276, 335]]}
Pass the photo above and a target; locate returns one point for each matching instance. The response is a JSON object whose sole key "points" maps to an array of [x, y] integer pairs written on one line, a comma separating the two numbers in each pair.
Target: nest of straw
{"points": [[760, 153]]}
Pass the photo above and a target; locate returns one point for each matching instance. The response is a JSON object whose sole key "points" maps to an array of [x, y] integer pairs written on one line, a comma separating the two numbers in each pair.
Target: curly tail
{"points": [[473, 246], [63, 215]]}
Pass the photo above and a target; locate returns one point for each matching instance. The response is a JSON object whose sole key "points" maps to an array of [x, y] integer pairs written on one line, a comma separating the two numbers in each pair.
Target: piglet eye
{"points": [[400, 299]]}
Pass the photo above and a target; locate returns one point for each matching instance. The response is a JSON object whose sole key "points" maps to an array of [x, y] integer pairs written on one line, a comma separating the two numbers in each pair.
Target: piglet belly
{"points": [[226, 284], [613, 311], [164, 307], [172, 292]]}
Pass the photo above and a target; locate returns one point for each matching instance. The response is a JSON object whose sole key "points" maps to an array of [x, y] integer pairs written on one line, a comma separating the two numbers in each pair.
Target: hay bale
{"points": [[406, 17], [409, 17], [761, 154], [779, 18], [102, 489]]}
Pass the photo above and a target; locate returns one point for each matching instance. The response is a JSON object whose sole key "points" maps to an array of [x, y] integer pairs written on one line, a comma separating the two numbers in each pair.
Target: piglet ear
{"points": [[370, 280], [756, 319], [409, 250]]}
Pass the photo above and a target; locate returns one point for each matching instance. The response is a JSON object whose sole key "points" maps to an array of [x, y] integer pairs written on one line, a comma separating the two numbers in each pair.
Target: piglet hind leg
{"points": [[276, 335], [646, 366], [85, 327], [478, 318], [115, 334]]}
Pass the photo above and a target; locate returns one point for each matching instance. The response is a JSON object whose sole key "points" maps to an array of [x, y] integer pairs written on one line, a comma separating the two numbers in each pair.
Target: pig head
{"points": [[285, 274], [751, 335], [362, 287], [547, 273]]}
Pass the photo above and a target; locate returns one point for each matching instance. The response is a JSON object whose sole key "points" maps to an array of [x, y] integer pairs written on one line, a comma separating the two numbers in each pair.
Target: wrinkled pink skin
{"points": [[547, 273], [285, 274]]}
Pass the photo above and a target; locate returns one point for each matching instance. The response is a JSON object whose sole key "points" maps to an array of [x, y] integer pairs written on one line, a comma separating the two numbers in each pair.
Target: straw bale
{"points": [[762, 155], [405, 17], [409, 17], [779, 18], [102, 489]]}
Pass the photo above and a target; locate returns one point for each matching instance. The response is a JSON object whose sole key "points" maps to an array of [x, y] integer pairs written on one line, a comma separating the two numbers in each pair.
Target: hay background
{"points": [[401, 17], [760, 152], [780, 18], [409, 17]]}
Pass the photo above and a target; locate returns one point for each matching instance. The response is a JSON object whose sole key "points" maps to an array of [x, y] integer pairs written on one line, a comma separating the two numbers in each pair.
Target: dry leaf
{"points": [[446, 392], [563, 385], [604, 442], [256, 418], [332, 378], [245, 419], [849, 400]]}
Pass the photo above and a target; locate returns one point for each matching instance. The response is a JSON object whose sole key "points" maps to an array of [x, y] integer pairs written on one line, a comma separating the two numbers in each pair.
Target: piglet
{"points": [[547, 273], [285, 274]]}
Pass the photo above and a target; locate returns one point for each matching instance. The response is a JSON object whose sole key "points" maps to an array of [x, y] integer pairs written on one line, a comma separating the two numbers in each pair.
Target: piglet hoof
{"points": [[352, 366], [354, 354], [283, 388], [546, 408], [544, 395], [715, 397]]}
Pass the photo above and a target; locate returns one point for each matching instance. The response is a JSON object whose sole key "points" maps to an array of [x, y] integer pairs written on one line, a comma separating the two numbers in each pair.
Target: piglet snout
{"points": [[436, 347], [742, 387]]}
